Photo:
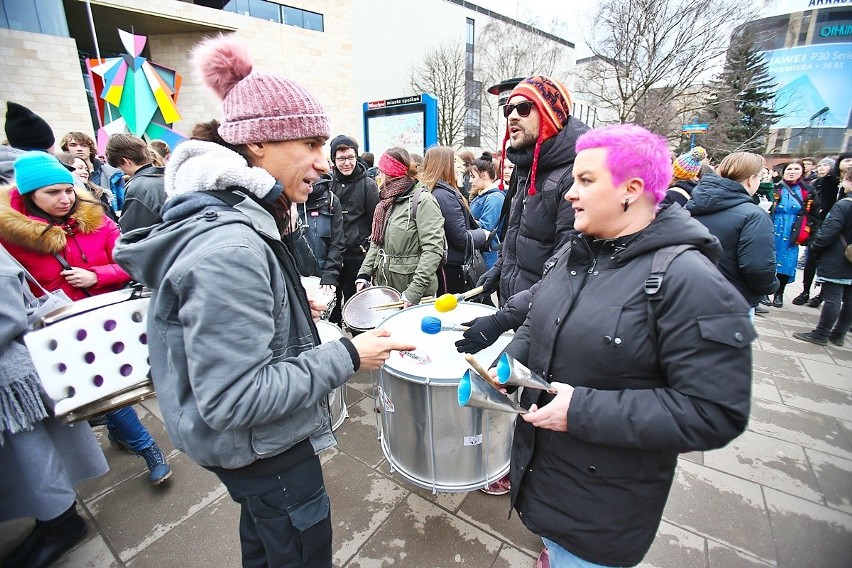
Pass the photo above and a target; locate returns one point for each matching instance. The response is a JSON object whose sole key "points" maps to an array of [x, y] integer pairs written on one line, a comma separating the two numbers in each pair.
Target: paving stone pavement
{"points": [[779, 495]]}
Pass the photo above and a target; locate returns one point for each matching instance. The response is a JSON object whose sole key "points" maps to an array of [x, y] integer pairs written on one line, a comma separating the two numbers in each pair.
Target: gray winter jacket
{"points": [[233, 358], [144, 196], [8, 155]]}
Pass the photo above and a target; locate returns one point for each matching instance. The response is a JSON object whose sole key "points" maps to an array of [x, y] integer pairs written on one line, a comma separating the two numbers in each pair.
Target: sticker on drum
{"points": [[336, 399], [358, 312], [436, 356]]}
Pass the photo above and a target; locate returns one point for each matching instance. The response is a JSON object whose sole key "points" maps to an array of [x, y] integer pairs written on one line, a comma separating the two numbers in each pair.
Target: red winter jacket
{"points": [[85, 240]]}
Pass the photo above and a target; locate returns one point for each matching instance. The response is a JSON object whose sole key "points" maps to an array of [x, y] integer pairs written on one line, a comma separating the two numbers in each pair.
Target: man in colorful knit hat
{"points": [[540, 137]]}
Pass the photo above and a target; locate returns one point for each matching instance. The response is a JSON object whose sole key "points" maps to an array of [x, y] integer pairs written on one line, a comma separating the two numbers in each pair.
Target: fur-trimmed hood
{"points": [[36, 234]]}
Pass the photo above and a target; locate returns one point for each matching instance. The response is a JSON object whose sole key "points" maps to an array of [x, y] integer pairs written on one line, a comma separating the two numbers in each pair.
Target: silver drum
{"points": [[337, 398], [426, 436]]}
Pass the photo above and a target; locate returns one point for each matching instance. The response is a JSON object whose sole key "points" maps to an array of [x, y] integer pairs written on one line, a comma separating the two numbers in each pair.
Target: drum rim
{"points": [[117, 400], [363, 292]]}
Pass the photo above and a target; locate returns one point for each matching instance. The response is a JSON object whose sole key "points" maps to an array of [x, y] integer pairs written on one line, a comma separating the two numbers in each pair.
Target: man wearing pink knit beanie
{"points": [[235, 356]]}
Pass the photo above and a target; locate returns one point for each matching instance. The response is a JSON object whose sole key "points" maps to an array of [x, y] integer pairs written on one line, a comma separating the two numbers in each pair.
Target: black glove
{"points": [[490, 280], [483, 332]]}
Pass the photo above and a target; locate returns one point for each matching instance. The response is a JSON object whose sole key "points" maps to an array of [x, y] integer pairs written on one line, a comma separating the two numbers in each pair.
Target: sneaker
{"points": [[98, 421], [801, 299], [814, 302], [157, 466], [499, 487], [766, 301], [836, 340], [543, 560], [760, 310], [118, 443], [811, 337]]}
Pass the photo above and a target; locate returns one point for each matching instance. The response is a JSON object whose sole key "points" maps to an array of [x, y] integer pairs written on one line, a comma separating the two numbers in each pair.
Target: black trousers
{"points": [[285, 518], [346, 284]]}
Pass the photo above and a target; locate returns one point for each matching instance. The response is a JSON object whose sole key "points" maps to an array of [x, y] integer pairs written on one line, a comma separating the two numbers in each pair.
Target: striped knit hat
{"points": [[688, 166], [553, 102]]}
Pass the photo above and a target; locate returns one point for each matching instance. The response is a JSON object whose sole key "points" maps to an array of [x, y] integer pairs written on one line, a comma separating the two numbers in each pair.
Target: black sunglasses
{"points": [[523, 108]]}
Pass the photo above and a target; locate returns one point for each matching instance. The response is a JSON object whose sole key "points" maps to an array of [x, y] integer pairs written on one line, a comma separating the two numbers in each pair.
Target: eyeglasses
{"points": [[523, 108], [342, 160]]}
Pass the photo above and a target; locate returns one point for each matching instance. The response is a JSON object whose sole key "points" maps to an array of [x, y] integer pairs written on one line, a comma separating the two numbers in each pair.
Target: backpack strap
{"points": [[663, 258], [415, 201]]}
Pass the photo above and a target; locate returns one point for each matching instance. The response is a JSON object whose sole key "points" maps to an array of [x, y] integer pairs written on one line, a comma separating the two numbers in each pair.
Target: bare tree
{"points": [[441, 73], [507, 50], [649, 52]]}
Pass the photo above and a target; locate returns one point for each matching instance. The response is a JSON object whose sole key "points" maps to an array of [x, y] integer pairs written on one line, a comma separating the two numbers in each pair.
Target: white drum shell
{"points": [[337, 398], [426, 436], [92, 355]]}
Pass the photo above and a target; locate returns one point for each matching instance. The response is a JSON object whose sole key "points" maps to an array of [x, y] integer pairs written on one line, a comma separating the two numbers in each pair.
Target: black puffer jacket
{"points": [[640, 397], [827, 246], [532, 236], [457, 223], [359, 196], [745, 232]]}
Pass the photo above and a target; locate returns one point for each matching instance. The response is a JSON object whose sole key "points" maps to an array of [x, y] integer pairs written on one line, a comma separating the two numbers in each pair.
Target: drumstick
{"points": [[400, 303], [482, 372]]}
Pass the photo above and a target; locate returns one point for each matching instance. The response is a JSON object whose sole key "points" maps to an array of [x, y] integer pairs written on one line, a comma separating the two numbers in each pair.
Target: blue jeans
{"points": [[124, 424], [561, 558], [285, 518]]}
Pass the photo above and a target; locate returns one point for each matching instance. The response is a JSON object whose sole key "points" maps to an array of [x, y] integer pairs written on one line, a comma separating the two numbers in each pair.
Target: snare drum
{"points": [[358, 312], [92, 356], [426, 436], [337, 398]]}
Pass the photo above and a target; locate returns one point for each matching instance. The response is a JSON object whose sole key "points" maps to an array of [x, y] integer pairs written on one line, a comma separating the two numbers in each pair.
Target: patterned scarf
{"points": [[391, 189]]}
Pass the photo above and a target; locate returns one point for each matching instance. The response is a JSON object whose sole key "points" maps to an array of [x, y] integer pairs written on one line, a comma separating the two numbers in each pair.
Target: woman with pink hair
{"points": [[647, 346]]}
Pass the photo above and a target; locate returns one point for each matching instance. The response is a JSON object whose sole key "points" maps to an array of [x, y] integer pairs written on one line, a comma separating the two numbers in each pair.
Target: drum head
{"points": [[328, 331], [436, 357], [358, 312]]}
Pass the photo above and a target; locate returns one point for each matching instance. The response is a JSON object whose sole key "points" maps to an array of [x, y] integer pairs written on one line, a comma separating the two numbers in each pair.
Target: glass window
{"points": [[22, 15], [293, 17], [313, 21], [470, 31], [4, 22], [238, 7], [51, 17], [264, 10]]}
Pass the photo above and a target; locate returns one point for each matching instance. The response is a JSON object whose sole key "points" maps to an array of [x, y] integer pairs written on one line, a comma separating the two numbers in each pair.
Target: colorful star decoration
{"points": [[134, 95]]}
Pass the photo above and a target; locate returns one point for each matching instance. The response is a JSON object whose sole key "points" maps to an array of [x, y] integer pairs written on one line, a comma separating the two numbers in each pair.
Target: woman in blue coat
{"points": [[487, 203], [793, 198]]}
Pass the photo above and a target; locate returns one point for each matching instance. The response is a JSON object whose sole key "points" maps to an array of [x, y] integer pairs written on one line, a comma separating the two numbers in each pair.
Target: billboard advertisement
{"points": [[812, 85]]}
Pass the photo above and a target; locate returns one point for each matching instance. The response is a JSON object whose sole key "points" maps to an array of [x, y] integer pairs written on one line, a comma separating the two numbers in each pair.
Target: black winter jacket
{"points": [[359, 196], [827, 246], [457, 223], [640, 396], [144, 196], [532, 236], [745, 232], [323, 220]]}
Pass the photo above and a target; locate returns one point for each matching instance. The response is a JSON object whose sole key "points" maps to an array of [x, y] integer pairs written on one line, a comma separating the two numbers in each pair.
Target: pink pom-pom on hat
{"points": [[256, 106]]}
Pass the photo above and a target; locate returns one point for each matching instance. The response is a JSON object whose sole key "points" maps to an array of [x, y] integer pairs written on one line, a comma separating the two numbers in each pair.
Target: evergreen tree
{"points": [[739, 109]]}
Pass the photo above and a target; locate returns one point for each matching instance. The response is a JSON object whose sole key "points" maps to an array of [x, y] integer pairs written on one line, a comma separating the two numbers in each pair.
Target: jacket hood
{"points": [[715, 193], [36, 234], [8, 155], [672, 226]]}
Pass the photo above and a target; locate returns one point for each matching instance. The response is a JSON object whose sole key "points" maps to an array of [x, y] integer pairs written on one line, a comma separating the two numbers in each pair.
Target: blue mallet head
{"points": [[430, 325]]}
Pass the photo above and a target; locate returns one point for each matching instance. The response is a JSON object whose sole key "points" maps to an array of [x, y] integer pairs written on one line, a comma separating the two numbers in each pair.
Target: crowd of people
{"points": [[594, 241]]}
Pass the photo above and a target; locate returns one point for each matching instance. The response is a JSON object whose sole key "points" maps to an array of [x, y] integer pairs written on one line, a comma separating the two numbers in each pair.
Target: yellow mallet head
{"points": [[446, 303]]}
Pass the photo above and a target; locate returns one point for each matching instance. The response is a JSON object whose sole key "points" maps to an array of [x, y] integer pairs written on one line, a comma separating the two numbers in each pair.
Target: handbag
{"points": [[847, 249], [473, 265]]}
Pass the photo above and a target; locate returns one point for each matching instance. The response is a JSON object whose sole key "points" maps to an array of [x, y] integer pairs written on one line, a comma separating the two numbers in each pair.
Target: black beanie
{"points": [[26, 130], [346, 141]]}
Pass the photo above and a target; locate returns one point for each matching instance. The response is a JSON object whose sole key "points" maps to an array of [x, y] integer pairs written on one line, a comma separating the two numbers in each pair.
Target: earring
{"points": [[626, 204]]}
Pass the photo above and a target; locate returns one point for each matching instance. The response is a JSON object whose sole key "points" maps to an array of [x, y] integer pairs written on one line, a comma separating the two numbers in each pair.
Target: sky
{"points": [[574, 15]]}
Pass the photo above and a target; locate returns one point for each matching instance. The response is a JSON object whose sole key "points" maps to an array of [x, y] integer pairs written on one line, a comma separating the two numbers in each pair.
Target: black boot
{"points": [[778, 301], [815, 301], [801, 299], [49, 541], [766, 301]]}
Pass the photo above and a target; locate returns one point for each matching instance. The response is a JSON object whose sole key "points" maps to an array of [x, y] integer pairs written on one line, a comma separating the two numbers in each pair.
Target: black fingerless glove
{"points": [[483, 332]]}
